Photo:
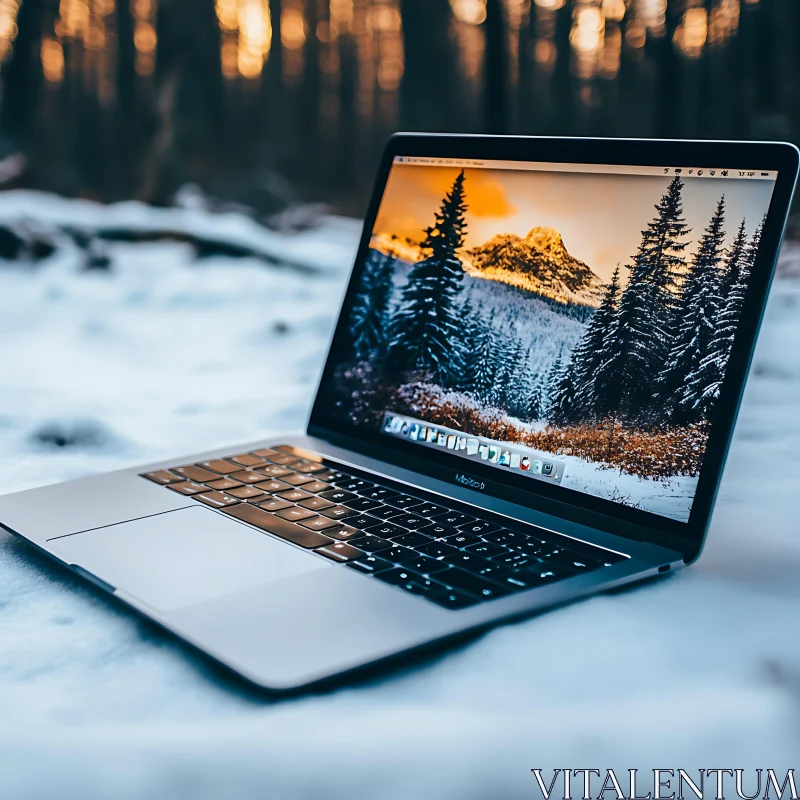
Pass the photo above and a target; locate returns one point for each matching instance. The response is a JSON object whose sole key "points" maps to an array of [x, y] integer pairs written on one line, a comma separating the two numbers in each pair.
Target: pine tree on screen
{"points": [[591, 353], [625, 378], [560, 391], [562, 396], [369, 319], [733, 285], [637, 343], [427, 324], [480, 367], [689, 372], [536, 402], [751, 250], [663, 243], [502, 360], [734, 262], [516, 374], [464, 345]]}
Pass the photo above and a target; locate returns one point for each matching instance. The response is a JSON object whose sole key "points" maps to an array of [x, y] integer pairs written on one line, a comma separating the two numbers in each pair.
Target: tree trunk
{"points": [[192, 132], [495, 84], [429, 81]]}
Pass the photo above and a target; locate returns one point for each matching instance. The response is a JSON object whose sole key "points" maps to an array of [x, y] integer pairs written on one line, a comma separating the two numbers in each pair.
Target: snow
{"points": [[669, 497], [166, 354]]}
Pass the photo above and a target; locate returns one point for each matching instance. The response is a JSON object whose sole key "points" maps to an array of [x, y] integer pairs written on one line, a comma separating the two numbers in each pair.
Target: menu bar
{"points": [[614, 169]]}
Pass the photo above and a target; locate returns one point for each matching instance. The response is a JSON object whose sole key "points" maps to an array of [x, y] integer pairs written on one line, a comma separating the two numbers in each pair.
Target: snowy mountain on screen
{"points": [[538, 263], [547, 328], [402, 247]]}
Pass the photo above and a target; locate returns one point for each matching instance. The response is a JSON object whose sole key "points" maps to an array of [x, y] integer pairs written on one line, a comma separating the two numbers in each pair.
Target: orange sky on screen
{"points": [[600, 216]]}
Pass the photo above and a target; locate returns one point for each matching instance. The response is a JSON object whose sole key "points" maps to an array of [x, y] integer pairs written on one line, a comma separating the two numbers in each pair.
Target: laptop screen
{"points": [[567, 323]]}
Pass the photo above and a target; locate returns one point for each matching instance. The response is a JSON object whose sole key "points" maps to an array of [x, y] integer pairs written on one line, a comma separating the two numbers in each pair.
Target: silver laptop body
{"points": [[282, 613]]}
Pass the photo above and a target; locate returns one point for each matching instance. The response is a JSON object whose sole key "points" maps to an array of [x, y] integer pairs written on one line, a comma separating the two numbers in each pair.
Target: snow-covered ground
{"points": [[165, 354], [670, 497]]}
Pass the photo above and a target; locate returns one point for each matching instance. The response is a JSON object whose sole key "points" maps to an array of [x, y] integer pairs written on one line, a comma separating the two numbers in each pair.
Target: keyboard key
{"points": [[353, 484], [318, 523], [315, 503], [429, 585], [339, 551], [246, 492], [216, 499], [343, 533], [338, 495], [467, 561], [163, 477], [329, 476], [223, 484], [488, 569], [423, 564], [220, 466], [387, 512], [474, 584], [279, 527], [522, 579], [410, 521], [297, 479], [572, 561], [282, 459], [294, 514], [452, 599], [531, 549], [362, 504], [453, 518], [398, 576], [398, 554], [404, 501], [436, 549], [462, 539], [505, 537], [247, 476], [370, 565], [437, 531], [339, 512], [380, 493], [362, 521], [486, 549], [426, 510], [412, 540], [371, 544], [514, 559], [479, 527], [193, 473], [294, 495], [275, 504], [246, 460], [387, 530], [273, 486], [274, 471], [265, 453], [311, 467], [187, 488], [316, 487]]}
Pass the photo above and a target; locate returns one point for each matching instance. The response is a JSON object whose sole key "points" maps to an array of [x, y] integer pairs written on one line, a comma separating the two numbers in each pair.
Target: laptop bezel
{"points": [[635, 524]]}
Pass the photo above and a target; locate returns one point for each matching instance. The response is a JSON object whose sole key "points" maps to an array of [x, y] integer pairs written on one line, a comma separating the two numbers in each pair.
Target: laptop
{"points": [[528, 398]]}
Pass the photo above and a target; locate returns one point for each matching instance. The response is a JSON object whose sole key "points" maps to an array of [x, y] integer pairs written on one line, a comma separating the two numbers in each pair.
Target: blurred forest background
{"points": [[263, 104]]}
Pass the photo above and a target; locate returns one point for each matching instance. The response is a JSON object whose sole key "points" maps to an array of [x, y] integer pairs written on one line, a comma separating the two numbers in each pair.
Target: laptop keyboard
{"points": [[422, 544]]}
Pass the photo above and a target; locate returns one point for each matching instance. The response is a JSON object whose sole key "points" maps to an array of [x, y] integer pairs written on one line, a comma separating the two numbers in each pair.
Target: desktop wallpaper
{"points": [[588, 316]]}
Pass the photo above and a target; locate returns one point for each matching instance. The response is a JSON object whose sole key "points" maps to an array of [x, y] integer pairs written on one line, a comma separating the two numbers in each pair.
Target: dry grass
{"points": [[660, 453]]}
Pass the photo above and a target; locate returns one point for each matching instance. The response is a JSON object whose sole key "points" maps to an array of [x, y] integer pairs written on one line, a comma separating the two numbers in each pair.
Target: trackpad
{"points": [[182, 557]]}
